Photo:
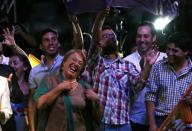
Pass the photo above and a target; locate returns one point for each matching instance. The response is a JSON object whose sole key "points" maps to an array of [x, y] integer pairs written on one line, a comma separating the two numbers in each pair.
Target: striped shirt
{"points": [[166, 87]]}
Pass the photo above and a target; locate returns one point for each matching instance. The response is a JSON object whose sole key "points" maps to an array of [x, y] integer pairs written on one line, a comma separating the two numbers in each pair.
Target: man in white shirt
{"points": [[5, 104], [145, 38]]}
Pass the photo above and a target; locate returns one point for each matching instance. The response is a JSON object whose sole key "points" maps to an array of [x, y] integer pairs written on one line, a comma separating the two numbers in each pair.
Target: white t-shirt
{"points": [[5, 104]]}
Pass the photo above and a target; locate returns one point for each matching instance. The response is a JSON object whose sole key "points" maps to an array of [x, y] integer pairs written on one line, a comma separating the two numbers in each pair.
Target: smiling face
{"points": [[175, 54], [106, 35], [144, 39], [49, 43], [72, 65], [18, 66], [108, 42]]}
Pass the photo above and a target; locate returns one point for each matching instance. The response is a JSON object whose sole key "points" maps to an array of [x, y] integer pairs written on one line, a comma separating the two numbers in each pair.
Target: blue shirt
{"points": [[41, 70]]}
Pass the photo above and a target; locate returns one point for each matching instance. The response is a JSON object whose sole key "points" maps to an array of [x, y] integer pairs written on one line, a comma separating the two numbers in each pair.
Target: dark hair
{"points": [[72, 51], [107, 27], [181, 40], [46, 30], [147, 23], [26, 63]]}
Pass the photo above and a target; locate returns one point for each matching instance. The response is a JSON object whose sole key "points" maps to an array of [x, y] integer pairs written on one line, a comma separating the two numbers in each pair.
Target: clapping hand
{"points": [[151, 56]]}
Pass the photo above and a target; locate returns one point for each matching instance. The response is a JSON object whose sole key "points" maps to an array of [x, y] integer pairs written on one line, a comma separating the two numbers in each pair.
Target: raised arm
{"points": [[93, 52], [98, 24], [150, 59], [25, 35], [10, 42], [77, 33]]}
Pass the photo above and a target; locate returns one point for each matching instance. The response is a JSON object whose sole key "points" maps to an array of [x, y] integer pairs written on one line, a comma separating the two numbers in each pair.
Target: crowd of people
{"points": [[92, 87]]}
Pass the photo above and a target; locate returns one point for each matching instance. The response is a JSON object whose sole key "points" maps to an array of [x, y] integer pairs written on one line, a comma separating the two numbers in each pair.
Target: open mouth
{"points": [[73, 68], [51, 48]]}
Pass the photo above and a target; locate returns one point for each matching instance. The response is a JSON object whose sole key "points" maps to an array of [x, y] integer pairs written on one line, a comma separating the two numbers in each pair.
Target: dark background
{"points": [[36, 15]]}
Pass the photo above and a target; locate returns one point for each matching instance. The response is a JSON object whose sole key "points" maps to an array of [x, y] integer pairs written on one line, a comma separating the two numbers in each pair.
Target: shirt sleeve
{"points": [[5, 102], [153, 85], [31, 80]]}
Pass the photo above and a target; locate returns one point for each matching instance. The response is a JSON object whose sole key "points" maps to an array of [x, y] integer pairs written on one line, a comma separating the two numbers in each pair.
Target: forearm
{"points": [[146, 71], [16, 49], [30, 39], [151, 112], [77, 36], [98, 111], [48, 98], [143, 78], [31, 110], [97, 26], [31, 113]]}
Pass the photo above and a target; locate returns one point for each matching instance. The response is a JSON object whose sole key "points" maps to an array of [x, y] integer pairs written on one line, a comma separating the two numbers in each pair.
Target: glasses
{"points": [[108, 35]]}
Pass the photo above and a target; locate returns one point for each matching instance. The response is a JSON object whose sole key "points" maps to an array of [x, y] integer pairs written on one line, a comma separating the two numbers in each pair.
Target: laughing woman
{"points": [[64, 98], [19, 97]]}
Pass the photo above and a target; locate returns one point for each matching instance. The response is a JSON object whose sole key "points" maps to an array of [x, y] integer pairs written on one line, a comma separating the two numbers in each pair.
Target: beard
{"points": [[108, 49]]}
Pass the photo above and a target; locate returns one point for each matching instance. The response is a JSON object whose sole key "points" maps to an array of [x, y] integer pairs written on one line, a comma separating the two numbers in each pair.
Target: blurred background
{"points": [[35, 15]]}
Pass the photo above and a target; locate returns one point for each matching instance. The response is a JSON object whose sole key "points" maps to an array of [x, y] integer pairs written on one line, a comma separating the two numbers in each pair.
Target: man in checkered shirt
{"points": [[113, 78], [169, 79]]}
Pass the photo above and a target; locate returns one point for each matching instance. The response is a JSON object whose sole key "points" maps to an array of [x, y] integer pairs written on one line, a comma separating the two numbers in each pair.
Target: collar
{"points": [[43, 62], [138, 55], [188, 60], [117, 60]]}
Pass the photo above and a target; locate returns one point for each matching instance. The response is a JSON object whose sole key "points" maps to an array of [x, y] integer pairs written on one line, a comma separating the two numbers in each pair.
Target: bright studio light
{"points": [[161, 22]]}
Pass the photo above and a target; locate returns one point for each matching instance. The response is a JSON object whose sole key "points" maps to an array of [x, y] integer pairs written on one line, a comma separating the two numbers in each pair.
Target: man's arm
{"points": [[77, 32], [151, 115], [93, 52], [150, 59], [25, 35], [31, 109], [98, 24], [151, 97]]}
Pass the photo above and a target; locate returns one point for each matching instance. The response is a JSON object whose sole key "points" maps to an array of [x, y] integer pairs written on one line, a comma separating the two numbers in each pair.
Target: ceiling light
{"points": [[161, 22]]}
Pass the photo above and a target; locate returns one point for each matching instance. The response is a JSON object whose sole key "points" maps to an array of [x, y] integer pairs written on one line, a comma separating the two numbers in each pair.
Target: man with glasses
{"points": [[113, 77]]}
